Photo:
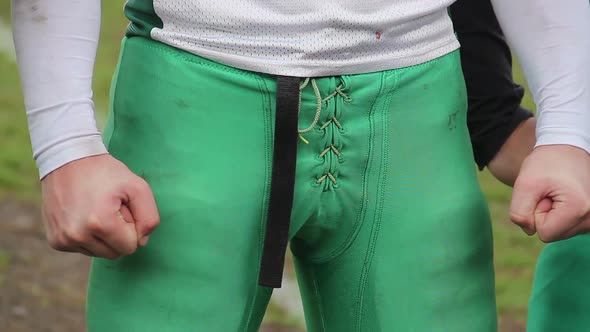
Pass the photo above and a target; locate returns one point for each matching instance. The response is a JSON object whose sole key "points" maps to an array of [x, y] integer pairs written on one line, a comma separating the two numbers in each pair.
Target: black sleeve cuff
{"points": [[488, 138]]}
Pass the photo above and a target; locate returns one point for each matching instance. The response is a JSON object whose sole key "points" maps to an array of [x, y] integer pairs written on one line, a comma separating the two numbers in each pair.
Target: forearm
{"points": [[505, 165], [551, 40], [56, 43]]}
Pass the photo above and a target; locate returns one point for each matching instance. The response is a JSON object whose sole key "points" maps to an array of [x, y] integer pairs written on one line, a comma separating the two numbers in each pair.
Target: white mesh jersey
{"points": [[303, 37]]}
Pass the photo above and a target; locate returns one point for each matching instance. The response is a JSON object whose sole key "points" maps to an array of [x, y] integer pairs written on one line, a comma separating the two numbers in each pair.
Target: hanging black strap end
{"points": [[282, 183]]}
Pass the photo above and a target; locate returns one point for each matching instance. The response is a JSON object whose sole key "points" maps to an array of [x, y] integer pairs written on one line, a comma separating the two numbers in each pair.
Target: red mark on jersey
{"points": [[378, 35]]}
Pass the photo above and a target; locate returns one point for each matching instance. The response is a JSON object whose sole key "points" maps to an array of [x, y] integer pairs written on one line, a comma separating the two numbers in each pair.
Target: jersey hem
{"points": [[266, 66]]}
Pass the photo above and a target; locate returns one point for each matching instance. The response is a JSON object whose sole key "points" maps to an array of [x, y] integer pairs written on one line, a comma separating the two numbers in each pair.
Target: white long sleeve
{"points": [[552, 41], [56, 43]]}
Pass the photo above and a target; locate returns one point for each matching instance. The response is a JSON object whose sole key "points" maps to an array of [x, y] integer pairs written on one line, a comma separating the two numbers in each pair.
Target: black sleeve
{"points": [[494, 109]]}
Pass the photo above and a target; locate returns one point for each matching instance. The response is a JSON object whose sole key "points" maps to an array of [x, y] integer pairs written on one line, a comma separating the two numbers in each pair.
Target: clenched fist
{"points": [[552, 193], [98, 207]]}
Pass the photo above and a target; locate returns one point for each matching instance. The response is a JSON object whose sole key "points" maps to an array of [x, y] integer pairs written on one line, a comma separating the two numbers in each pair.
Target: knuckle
{"points": [[148, 226], [143, 186], [129, 250], [75, 237], [546, 238], [132, 189], [138, 186], [54, 243], [59, 242], [99, 226], [95, 225], [153, 223]]}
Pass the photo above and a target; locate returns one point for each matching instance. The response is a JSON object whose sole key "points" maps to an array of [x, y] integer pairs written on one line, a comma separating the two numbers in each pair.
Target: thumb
{"points": [[554, 224], [525, 199], [126, 214], [142, 206], [542, 211]]}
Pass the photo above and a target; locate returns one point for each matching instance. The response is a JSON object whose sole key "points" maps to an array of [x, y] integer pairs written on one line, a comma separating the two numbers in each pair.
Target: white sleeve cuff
{"points": [[565, 138], [565, 126], [68, 151]]}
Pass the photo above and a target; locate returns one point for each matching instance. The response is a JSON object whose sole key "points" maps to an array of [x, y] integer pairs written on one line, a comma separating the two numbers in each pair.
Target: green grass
{"points": [[4, 260], [4, 264], [17, 170], [4, 8], [277, 315], [515, 253]]}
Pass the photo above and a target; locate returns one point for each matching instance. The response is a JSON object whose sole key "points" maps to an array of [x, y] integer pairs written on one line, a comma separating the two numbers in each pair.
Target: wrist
{"points": [[505, 165]]}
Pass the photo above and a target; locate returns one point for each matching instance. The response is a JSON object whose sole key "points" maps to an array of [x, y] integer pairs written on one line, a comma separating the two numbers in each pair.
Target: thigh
{"points": [[200, 134], [561, 292], [422, 257]]}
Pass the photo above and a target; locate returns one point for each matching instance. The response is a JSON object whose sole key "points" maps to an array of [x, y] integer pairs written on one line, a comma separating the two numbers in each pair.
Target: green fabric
{"points": [[142, 17], [397, 239], [561, 292]]}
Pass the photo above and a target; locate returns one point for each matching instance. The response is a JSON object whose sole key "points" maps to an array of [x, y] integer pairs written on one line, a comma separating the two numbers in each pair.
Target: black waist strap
{"points": [[282, 183]]}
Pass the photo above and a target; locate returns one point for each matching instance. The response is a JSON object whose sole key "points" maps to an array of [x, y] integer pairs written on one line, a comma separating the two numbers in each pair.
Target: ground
{"points": [[42, 290]]}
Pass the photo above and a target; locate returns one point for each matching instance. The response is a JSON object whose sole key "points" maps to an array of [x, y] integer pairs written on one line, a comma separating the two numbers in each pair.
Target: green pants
{"points": [[561, 291], [390, 231]]}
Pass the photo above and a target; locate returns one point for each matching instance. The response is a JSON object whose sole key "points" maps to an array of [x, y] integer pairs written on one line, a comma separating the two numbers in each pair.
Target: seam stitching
{"points": [[379, 214], [267, 129]]}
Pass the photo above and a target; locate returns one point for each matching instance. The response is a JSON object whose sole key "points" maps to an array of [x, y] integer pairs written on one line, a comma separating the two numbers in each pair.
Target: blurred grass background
{"points": [[515, 253]]}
